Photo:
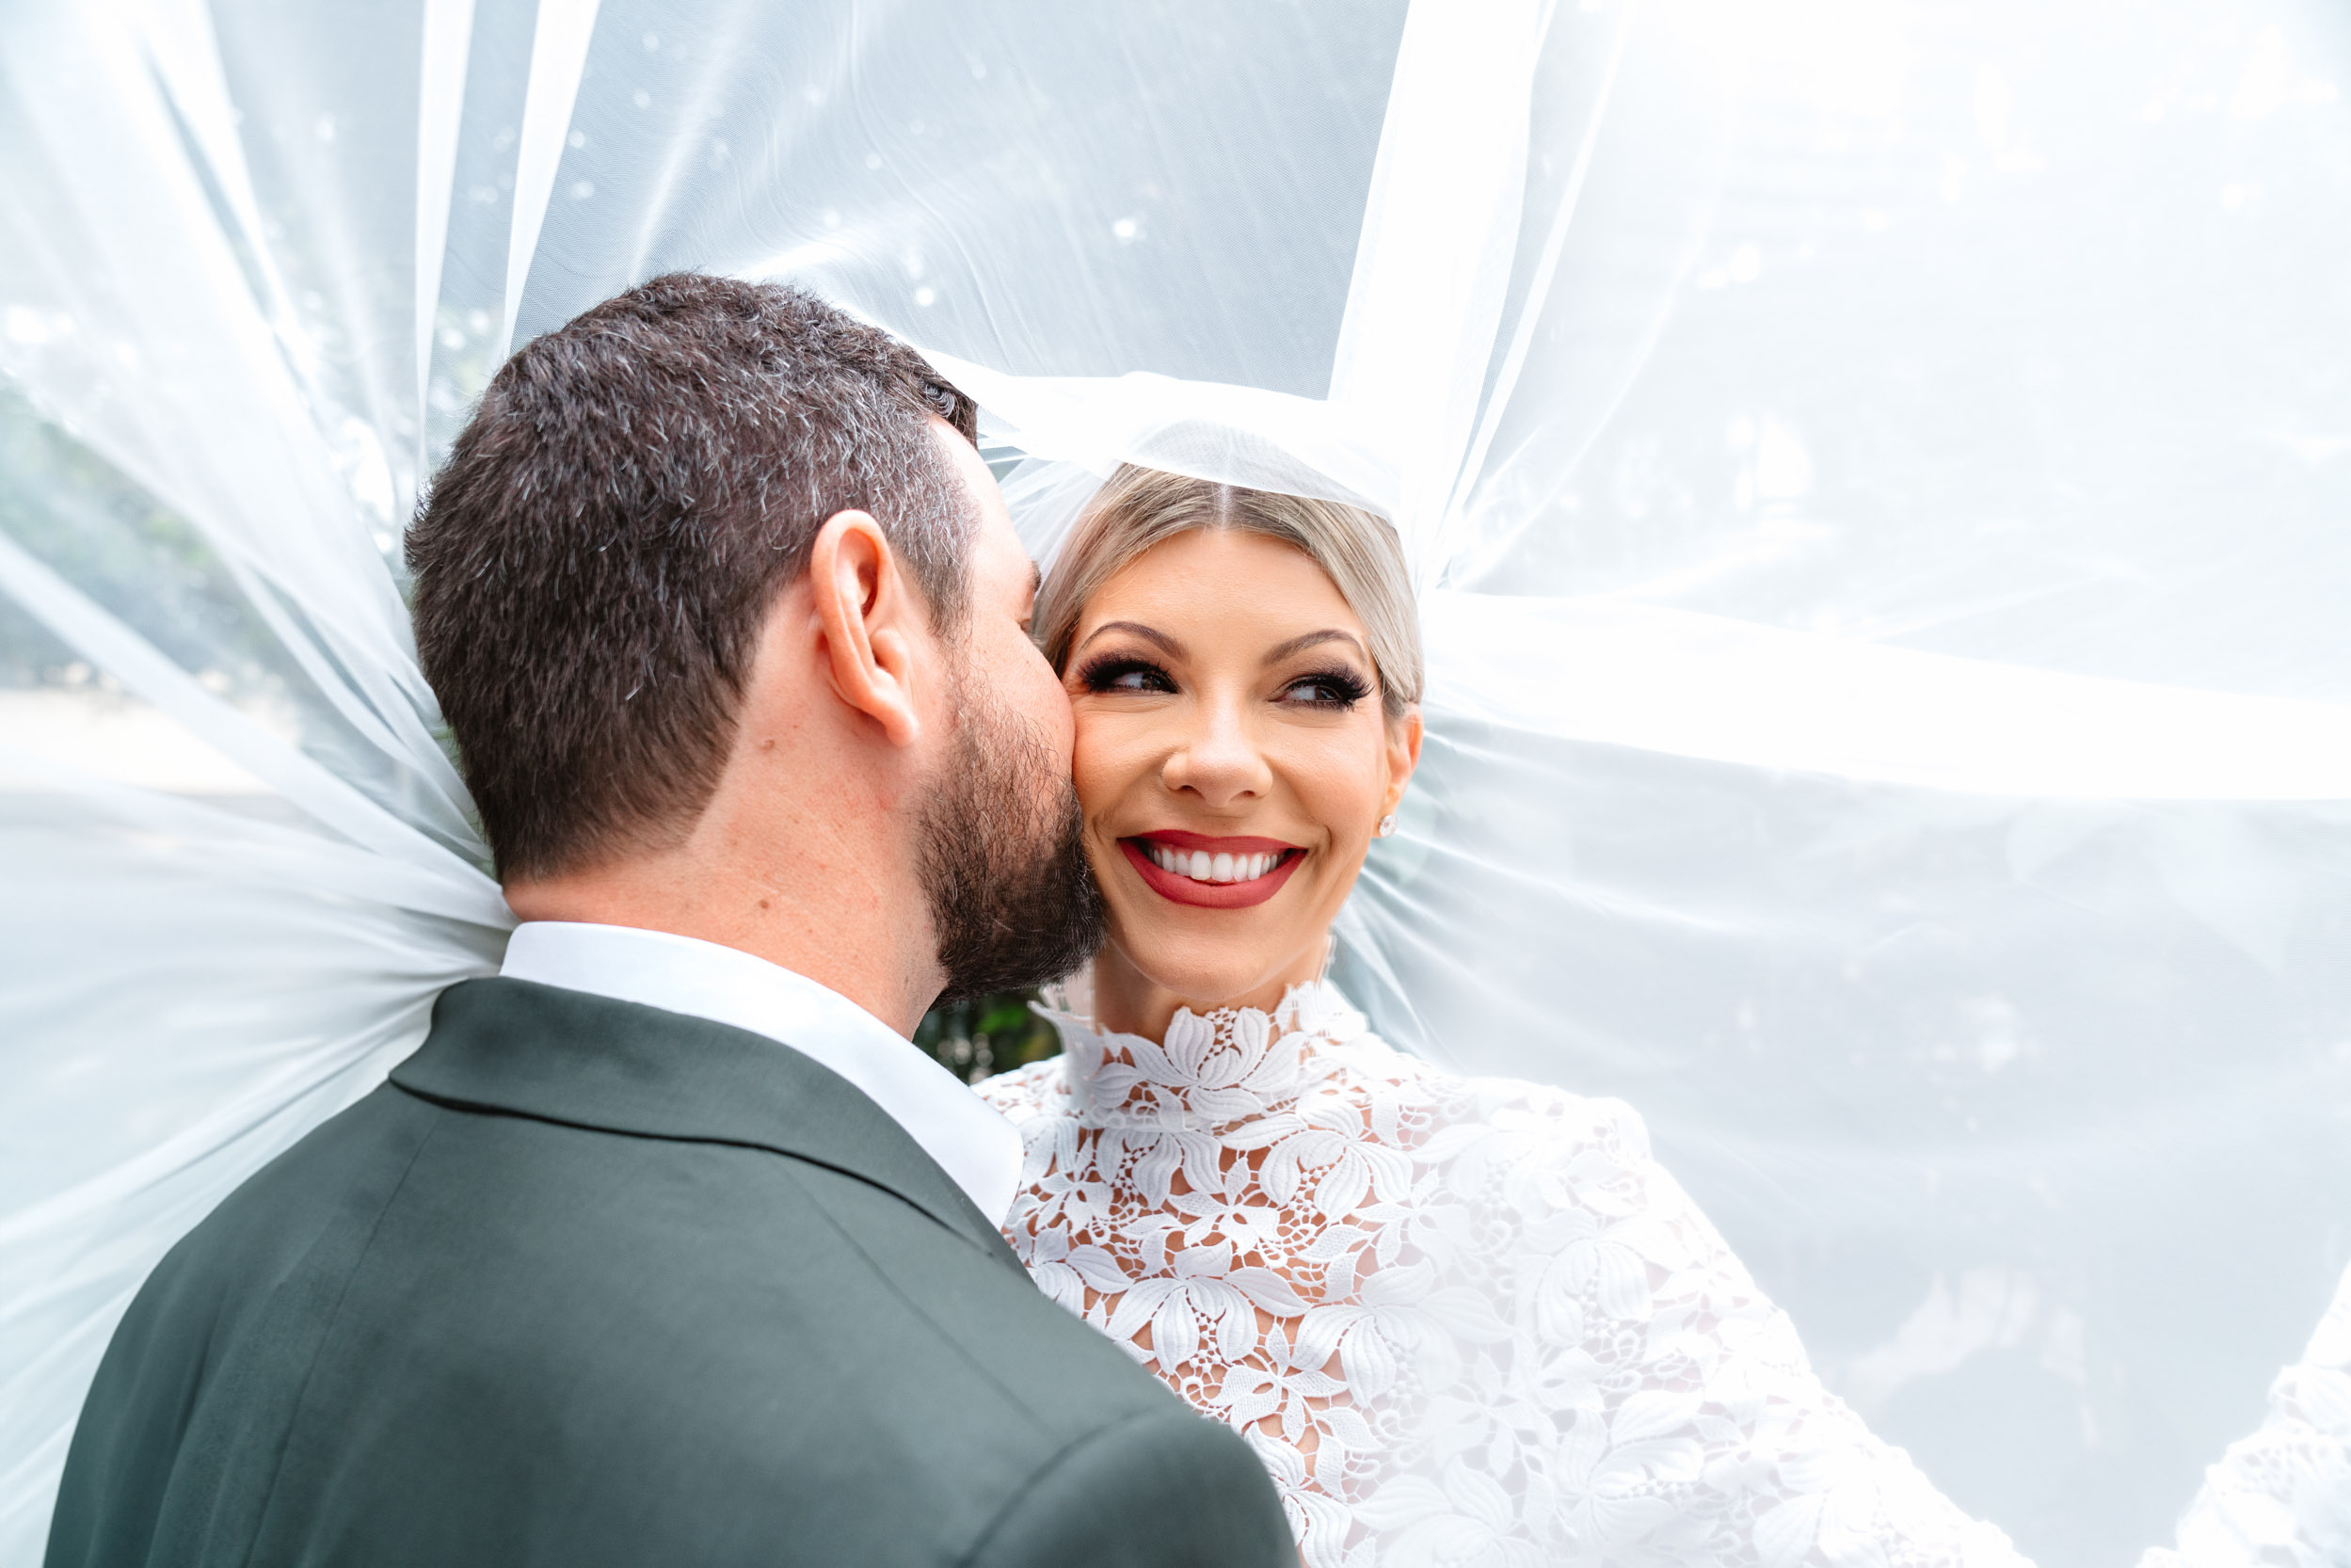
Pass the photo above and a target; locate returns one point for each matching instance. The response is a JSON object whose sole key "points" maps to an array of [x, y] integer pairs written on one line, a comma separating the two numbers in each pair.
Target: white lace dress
{"points": [[1463, 1320]]}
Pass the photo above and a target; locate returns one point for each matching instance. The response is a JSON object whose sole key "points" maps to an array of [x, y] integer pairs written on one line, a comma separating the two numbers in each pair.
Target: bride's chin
{"points": [[1201, 972], [1204, 958]]}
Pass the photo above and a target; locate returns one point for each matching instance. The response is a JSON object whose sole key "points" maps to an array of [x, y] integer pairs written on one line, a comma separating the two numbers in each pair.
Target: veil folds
{"points": [[1872, 471]]}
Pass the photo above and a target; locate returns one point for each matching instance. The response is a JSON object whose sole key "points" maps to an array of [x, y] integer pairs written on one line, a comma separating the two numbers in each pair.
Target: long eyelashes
{"points": [[1123, 672], [1336, 688]]}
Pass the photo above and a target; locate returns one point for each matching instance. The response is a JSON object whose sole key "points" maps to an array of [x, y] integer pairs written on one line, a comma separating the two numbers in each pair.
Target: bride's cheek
{"points": [[1340, 791], [1094, 766]]}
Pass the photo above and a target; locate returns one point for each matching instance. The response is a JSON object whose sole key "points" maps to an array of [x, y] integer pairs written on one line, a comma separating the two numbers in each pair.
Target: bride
{"points": [[1460, 1319]]}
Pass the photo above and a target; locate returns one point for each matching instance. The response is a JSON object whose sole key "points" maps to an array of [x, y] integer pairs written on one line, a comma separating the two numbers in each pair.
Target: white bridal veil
{"points": [[1878, 472]]}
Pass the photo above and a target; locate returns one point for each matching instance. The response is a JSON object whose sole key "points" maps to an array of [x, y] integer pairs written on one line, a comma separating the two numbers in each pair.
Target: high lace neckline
{"points": [[1214, 1070]]}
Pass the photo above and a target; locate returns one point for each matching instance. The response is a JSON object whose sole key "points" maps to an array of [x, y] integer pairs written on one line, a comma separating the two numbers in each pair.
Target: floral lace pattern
{"points": [[1461, 1320]]}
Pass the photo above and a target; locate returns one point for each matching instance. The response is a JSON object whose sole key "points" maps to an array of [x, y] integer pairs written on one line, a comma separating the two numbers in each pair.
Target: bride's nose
{"points": [[1217, 758]]}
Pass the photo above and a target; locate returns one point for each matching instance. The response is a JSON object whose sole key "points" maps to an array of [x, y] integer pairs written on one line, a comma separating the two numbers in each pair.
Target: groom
{"points": [[667, 1247]]}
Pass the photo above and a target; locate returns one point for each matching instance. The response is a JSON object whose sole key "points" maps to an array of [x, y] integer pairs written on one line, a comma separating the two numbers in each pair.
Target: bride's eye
{"points": [[1336, 690], [1115, 672]]}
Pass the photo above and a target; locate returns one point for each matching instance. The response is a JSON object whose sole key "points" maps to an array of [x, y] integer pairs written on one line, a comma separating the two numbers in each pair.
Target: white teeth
{"points": [[1200, 866]]}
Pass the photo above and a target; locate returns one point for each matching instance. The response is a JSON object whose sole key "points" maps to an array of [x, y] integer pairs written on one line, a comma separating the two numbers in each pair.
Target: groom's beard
{"points": [[1003, 859]]}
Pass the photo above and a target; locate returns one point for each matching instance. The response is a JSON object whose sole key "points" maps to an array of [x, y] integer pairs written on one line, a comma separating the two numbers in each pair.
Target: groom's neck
{"points": [[819, 886], [804, 854]]}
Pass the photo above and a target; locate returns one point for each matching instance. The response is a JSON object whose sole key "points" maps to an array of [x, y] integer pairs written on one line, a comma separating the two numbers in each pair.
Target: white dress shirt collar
{"points": [[971, 1143]]}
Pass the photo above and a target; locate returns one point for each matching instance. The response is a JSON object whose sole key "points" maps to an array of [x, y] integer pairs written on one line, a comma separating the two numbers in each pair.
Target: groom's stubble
{"points": [[1002, 855]]}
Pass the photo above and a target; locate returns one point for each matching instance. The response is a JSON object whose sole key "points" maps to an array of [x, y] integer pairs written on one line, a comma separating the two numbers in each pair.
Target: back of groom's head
{"points": [[595, 562]]}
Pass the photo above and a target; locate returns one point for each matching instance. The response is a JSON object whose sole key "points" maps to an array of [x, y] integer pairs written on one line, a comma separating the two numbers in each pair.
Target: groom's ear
{"points": [[866, 612]]}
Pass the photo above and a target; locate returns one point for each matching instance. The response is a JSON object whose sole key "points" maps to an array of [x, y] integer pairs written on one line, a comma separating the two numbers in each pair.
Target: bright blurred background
{"points": [[1885, 576]]}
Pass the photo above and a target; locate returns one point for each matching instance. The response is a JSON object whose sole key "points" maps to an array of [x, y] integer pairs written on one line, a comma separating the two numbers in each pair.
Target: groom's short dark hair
{"points": [[595, 563]]}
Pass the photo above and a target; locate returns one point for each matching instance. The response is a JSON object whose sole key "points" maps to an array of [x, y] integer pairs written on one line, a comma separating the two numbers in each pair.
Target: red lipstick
{"points": [[1179, 888]]}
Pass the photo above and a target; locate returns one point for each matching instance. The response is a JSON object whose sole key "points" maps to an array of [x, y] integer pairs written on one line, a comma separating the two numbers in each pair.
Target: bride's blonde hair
{"points": [[1141, 507]]}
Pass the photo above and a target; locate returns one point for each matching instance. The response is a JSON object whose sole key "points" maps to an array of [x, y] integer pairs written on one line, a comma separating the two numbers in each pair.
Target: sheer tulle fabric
{"points": [[1873, 470]]}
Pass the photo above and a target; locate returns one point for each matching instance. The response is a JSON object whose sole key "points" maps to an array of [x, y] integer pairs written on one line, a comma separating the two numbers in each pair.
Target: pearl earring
{"points": [[1387, 826]]}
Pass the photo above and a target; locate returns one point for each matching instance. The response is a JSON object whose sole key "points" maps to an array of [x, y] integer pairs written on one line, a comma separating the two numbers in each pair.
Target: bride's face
{"points": [[1233, 763]]}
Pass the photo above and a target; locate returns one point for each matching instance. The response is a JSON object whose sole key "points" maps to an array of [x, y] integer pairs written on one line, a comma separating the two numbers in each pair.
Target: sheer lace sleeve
{"points": [[1696, 1431], [2282, 1498]]}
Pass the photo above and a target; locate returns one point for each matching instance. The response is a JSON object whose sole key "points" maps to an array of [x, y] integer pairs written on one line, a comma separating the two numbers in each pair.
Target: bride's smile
{"points": [[1209, 872], [1234, 760]]}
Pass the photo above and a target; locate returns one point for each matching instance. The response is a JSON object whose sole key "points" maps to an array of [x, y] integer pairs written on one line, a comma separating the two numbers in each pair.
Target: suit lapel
{"points": [[587, 1061]]}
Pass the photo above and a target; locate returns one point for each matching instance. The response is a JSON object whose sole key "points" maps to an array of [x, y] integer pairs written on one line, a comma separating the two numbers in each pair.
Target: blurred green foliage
{"points": [[988, 1035]]}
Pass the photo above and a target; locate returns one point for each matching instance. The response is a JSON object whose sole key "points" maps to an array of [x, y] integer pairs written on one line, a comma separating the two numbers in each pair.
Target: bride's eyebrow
{"points": [[1280, 651], [1166, 644]]}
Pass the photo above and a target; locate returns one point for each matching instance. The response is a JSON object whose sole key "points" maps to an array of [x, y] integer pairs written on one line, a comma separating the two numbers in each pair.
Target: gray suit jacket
{"points": [[592, 1283]]}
